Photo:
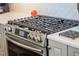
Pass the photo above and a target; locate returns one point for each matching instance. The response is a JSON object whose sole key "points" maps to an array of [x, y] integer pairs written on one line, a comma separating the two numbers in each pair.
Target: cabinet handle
{"points": [[49, 47]]}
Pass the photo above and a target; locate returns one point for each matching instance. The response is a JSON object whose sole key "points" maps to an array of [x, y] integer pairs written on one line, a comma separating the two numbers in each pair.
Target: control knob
{"points": [[30, 36], [39, 36], [39, 39], [9, 29]]}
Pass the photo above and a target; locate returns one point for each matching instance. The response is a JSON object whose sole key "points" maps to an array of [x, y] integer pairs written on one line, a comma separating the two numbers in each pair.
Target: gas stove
{"points": [[31, 32], [45, 23]]}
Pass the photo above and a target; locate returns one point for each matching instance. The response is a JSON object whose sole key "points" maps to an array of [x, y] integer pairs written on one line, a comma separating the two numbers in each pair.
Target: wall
{"points": [[64, 10]]}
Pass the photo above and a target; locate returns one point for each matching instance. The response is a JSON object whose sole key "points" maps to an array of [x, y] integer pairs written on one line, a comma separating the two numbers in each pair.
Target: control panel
{"points": [[36, 35], [27, 33]]}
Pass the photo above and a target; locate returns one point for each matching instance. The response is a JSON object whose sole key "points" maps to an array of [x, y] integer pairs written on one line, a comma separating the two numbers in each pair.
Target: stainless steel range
{"points": [[30, 33], [32, 42]]}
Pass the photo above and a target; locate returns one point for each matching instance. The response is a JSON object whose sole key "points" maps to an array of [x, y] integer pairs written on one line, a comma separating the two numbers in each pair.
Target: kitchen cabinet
{"points": [[4, 7], [3, 45], [57, 49], [73, 51]]}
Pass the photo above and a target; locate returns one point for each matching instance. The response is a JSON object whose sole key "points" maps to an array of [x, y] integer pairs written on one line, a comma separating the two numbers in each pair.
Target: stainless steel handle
{"points": [[49, 47], [24, 46]]}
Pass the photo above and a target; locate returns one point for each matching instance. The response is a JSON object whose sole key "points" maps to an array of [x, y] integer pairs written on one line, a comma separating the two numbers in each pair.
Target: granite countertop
{"points": [[65, 40]]}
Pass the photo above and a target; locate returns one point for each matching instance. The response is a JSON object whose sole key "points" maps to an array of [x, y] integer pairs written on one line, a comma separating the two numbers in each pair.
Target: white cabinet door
{"points": [[57, 49], [3, 45], [73, 51]]}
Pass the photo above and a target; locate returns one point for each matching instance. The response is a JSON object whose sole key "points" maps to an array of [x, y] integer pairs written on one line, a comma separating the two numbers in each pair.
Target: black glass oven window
{"points": [[21, 33]]}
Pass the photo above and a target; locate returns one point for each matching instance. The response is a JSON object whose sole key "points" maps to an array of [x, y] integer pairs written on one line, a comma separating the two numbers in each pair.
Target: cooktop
{"points": [[46, 24], [70, 34]]}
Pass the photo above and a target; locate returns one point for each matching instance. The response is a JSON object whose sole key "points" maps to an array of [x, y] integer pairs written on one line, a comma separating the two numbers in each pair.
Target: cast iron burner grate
{"points": [[70, 34], [45, 23]]}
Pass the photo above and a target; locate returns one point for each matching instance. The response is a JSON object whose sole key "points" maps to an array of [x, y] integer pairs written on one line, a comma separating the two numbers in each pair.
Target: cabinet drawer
{"points": [[73, 51], [57, 49]]}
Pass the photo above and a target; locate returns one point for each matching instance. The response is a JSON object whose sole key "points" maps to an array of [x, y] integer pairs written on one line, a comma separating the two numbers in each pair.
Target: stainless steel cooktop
{"points": [[45, 23]]}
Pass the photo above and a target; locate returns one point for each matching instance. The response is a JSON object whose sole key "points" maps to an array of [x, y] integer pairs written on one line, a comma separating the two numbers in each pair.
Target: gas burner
{"points": [[70, 34], [46, 23]]}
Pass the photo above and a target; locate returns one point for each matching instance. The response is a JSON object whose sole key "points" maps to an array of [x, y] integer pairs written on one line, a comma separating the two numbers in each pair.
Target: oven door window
{"points": [[15, 50]]}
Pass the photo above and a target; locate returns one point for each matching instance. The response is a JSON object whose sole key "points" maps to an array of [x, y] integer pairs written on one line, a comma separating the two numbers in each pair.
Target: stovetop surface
{"points": [[46, 23], [70, 34]]}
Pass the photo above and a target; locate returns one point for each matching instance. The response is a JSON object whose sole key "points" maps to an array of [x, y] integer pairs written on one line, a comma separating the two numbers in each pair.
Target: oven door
{"points": [[17, 47]]}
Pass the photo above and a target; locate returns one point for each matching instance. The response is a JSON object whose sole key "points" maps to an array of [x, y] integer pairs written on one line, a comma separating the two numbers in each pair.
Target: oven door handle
{"points": [[24, 46]]}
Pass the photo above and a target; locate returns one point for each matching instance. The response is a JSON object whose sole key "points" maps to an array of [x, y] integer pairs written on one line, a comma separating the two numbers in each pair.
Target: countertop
{"points": [[11, 16], [65, 40]]}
